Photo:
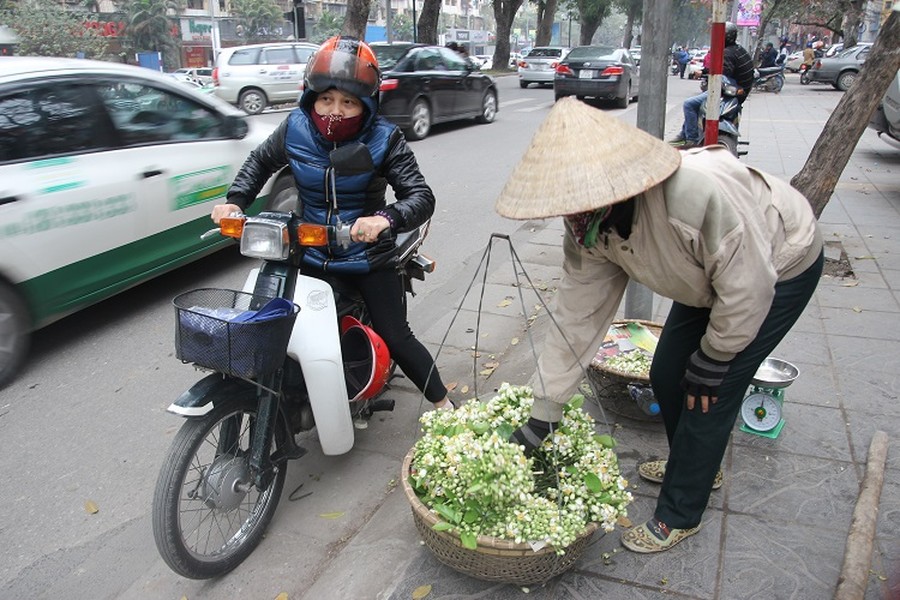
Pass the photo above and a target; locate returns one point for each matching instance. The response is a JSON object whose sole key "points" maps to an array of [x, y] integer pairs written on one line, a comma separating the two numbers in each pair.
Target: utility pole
{"points": [[651, 114]]}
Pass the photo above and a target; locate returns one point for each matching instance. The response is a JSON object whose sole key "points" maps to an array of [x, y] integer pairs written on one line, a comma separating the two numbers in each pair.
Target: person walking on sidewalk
{"points": [[737, 64], [682, 58], [339, 106], [738, 251]]}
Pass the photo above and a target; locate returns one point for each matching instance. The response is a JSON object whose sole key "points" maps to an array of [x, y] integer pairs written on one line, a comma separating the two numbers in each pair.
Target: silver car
{"points": [[539, 65], [254, 77], [840, 70]]}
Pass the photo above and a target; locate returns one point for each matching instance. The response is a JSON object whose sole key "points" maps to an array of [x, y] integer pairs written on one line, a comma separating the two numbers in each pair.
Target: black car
{"points": [[422, 85], [601, 72]]}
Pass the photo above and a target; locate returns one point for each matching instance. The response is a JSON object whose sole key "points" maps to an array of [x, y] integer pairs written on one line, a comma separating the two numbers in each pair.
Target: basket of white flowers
{"points": [[486, 510]]}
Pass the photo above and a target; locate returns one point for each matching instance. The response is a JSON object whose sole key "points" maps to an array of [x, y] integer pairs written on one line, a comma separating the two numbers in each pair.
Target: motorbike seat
{"points": [[770, 70]]}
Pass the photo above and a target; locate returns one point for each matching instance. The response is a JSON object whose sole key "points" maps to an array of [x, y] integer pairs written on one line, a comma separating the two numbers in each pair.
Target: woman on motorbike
{"points": [[339, 105]]}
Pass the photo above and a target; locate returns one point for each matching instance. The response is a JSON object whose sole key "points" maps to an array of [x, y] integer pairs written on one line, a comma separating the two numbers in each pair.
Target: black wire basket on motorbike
{"points": [[236, 333]]}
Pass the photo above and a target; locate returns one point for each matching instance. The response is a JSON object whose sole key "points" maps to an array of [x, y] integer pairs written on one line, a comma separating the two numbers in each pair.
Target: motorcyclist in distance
{"points": [[736, 64]]}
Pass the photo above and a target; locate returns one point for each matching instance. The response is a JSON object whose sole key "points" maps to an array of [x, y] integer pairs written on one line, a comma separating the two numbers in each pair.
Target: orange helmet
{"points": [[345, 63], [367, 362]]}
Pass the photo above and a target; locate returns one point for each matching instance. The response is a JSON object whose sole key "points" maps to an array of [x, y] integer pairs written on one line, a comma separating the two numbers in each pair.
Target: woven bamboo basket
{"points": [[494, 559], [612, 385]]}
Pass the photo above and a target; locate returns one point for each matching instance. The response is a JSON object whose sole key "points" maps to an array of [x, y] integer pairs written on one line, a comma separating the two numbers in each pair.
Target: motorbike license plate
{"points": [[586, 74]]}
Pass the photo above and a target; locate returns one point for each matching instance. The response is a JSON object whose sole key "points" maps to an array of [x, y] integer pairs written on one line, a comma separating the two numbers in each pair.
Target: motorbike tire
{"points": [[203, 525], [775, 84], [804, 78]]}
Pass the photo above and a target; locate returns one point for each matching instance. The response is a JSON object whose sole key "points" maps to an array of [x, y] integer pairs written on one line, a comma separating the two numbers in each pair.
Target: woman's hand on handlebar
{"points": [[366, 229], [224, 210]]}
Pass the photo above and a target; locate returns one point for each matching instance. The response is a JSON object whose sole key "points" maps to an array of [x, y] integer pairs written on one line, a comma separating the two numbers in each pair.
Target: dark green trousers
{"points": [[697, 440]]}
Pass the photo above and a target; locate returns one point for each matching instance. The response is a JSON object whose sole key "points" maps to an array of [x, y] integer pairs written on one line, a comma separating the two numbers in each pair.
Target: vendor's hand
{"points": [[702, 379], [220, 211], [366, 229]]}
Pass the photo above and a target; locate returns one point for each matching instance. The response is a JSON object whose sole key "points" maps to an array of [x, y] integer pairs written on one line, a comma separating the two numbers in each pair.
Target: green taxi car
{"points": [[108, 173]]}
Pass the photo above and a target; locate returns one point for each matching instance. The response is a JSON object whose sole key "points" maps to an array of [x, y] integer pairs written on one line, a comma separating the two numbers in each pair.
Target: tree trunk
{"points": [[589, 26], [356, 18], [546, 14], [426, 29], [629, 26], [504, 13], [819, 176], [851, 22]]}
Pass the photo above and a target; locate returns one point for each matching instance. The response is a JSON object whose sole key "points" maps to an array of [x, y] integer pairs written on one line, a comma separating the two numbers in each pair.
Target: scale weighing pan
{"points": [[775, 373]]}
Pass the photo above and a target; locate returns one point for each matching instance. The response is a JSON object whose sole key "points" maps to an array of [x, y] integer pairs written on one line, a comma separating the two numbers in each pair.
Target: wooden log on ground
{"points": [[861, 539]]}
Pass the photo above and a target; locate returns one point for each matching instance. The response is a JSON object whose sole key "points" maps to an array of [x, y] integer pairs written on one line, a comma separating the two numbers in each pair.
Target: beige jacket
{"points": [[715, 234]]}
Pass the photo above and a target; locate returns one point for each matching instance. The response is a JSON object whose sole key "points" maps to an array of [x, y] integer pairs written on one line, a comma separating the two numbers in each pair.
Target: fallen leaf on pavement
{"points": [[514, 341], [504, 303], [91, 507], [451, 386], [332, 515], [421, 591], [282, 596]]}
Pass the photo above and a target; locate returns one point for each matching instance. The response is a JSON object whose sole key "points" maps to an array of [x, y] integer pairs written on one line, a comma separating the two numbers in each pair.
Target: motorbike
{"points": [[804, 74], [729, 115], [769, 79], [286, 354]]}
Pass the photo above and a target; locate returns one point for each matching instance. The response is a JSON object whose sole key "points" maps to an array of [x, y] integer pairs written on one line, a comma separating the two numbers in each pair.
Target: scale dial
{"points": [[761, 412]]}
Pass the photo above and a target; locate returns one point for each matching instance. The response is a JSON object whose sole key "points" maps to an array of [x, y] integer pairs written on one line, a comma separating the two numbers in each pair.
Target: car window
{"points": [[592, 53], [389, 55], [453, 60], [51, 121], [244, 56], [545, 53], [430, 59], [204, 72], [147, 115], [278, 56], [303, 53]]}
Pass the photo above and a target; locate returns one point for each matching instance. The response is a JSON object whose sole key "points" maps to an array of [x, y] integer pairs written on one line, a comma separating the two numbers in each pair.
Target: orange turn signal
{"points": [[232, 227], [312, 235]]}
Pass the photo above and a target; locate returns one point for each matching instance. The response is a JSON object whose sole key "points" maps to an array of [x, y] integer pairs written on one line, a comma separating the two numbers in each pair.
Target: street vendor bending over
{"points": [[738, 251]]}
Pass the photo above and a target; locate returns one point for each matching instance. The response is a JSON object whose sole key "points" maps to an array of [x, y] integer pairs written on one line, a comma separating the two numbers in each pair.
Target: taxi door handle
{"points": [[8, 200], [151, 173]]}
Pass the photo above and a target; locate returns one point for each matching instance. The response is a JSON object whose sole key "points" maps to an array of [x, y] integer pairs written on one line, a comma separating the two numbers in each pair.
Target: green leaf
{"points": [[592, 483], [606, 441], [480, 427], [577, 401], [469, 540], [475, 487], [442, 526], [505, 431], [447, 512], [572, 470], [471, 516]]}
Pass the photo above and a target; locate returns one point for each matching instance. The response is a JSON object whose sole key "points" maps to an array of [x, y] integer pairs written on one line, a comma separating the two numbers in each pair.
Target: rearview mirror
{"points": [[352, 159]]}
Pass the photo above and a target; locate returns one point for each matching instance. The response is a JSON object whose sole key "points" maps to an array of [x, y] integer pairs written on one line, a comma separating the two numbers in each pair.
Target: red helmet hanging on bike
{"points": [[345, 63], [367, 362]]}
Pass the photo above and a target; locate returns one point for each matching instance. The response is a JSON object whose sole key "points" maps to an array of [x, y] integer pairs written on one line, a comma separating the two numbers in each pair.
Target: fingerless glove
{"points": [[704, 375]]}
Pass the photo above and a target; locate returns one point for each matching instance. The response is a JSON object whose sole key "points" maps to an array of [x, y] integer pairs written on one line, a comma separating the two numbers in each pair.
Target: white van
{"points": [[260, 75]]}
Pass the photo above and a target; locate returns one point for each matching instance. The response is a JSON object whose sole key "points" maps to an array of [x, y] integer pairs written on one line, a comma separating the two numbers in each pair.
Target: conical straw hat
{"points": [[582, 159]]}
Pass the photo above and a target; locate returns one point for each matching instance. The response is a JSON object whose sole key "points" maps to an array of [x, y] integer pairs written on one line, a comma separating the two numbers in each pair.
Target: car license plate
{"points": [[586, 74]]}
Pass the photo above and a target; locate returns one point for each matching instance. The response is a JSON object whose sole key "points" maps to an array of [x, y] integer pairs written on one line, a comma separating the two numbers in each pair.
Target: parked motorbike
{"points": [[729, 115], [287, 353], [769, 79]]}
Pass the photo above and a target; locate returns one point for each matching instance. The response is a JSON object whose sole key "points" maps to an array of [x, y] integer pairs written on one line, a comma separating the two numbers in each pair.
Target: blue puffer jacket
{"points": [[297, 143]]}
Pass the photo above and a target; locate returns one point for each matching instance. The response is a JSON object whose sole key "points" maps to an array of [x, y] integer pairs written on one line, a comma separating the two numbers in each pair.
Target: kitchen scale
{"points": [[762, 408]]}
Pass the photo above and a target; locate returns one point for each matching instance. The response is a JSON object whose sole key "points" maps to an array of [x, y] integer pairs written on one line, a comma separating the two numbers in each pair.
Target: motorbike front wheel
{"points": [[208, 514], [804, 78]]}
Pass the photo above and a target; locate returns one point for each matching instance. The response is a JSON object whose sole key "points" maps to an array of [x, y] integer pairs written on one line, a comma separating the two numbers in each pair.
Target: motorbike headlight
{"points": [[730, 90], [265, 239]]}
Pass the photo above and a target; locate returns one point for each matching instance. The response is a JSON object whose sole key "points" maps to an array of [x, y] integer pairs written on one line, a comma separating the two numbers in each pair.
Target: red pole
{"points": [[714, 87]]}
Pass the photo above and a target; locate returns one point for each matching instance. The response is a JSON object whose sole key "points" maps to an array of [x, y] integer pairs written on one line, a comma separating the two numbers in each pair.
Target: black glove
{"points": [[532, 434], [703, 375]]}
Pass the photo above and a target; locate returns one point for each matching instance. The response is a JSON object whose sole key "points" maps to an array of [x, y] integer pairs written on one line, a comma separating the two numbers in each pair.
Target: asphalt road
{"points": [[84, 426]]}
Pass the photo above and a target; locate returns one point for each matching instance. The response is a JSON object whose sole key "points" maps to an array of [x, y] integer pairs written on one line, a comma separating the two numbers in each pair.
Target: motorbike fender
{"points": [[316, 344], [206, 393], [728, 127]]}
